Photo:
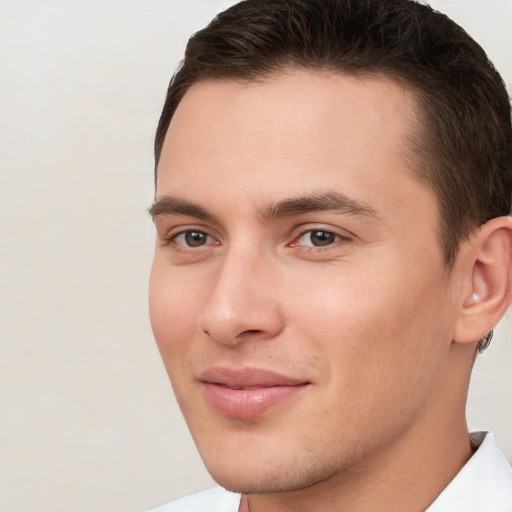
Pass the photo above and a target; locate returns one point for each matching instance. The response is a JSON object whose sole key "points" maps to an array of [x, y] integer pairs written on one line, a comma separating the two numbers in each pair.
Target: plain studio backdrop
{"points": [[88, 420]]}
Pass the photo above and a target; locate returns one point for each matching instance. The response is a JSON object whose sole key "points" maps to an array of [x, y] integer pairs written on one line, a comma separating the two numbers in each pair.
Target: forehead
{"points": [[293, 133]]}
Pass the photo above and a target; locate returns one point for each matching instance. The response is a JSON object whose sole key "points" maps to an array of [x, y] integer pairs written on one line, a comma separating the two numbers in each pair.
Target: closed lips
{"points": [[247, 393]]}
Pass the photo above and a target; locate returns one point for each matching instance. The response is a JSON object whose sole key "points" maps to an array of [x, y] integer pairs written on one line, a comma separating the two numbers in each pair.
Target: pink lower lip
{"points": [[247, 403]]}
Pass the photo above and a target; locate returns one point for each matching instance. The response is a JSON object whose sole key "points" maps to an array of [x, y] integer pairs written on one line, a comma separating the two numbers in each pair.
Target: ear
{"points": [[487, 273]]}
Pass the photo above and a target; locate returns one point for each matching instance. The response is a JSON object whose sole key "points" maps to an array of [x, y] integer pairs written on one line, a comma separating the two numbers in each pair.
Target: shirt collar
{"points": [[483, 484]]}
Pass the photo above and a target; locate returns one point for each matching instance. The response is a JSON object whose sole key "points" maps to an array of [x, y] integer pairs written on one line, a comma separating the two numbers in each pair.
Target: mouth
{"points": [[247, 393]]}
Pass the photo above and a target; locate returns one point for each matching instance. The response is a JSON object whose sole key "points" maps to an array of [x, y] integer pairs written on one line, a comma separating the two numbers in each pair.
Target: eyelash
{"points": [[312, 248], [172, 237], [338, 237]]}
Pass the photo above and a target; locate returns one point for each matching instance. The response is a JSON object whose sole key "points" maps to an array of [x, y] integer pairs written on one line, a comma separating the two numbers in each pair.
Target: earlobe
{"points": [[489, 277]]}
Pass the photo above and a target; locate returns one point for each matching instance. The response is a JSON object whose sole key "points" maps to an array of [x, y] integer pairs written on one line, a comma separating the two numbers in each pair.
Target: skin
{"points": [[368, 320]]}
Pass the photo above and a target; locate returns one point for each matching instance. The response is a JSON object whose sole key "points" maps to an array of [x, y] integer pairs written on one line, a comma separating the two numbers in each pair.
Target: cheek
{"points": [[380, 330], [172, 309]]}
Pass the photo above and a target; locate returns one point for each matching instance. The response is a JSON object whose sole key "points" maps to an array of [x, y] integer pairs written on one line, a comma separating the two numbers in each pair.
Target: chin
{"points": [[247, 476], [262, 483]]}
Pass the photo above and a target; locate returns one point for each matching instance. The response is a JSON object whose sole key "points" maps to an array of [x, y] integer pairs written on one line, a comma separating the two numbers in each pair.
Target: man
{"points": [[333, 190]]}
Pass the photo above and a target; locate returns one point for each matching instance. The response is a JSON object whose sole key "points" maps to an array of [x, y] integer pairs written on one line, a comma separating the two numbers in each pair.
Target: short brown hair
{"points": [[464, 144]]}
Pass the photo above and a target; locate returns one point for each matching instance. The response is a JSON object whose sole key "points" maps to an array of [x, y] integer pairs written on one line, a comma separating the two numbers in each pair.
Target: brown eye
{"points": [[192, 238], [318, 238]]}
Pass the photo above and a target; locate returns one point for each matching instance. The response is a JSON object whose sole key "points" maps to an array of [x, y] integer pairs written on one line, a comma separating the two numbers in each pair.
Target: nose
{"points": [[242, 304]]}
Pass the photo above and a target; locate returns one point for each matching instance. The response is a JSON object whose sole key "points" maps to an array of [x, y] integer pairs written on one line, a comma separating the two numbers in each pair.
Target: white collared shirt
{"points": [[484, 484]]}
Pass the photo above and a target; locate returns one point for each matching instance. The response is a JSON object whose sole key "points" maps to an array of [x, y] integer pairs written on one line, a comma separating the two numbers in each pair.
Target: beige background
{"points": [[88, 422]]}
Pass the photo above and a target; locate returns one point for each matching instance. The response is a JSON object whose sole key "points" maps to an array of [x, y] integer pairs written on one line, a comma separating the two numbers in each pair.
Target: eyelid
{"points": [[172, 233], [343, 234], [177, 239]]}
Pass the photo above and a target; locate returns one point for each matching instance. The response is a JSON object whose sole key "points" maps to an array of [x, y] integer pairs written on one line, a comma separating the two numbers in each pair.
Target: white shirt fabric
{"points": [[484, 484]]}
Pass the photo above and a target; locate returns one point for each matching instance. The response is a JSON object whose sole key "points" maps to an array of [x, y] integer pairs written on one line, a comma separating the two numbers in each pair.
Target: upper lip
{"points": [[247, 378]]}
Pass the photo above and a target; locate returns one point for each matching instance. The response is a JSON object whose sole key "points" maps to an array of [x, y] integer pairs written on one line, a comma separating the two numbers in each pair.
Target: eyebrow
{"points": [[171, 205], [318, 202], [308, 203]]}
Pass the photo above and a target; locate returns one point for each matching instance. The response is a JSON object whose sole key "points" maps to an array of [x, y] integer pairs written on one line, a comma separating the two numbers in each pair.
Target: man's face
{"points": [[298, 294]]}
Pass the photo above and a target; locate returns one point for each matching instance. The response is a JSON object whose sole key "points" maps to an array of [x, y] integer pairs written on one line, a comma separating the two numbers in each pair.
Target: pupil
{"points": [[319, 238], [195, 238]]}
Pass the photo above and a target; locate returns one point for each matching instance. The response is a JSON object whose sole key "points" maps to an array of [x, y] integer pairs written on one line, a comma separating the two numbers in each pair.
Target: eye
{"points": [[192, 238], [318, 238]]}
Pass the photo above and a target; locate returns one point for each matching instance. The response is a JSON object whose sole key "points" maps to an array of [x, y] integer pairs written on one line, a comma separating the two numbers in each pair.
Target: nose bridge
{"points": [[241, 303]]}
